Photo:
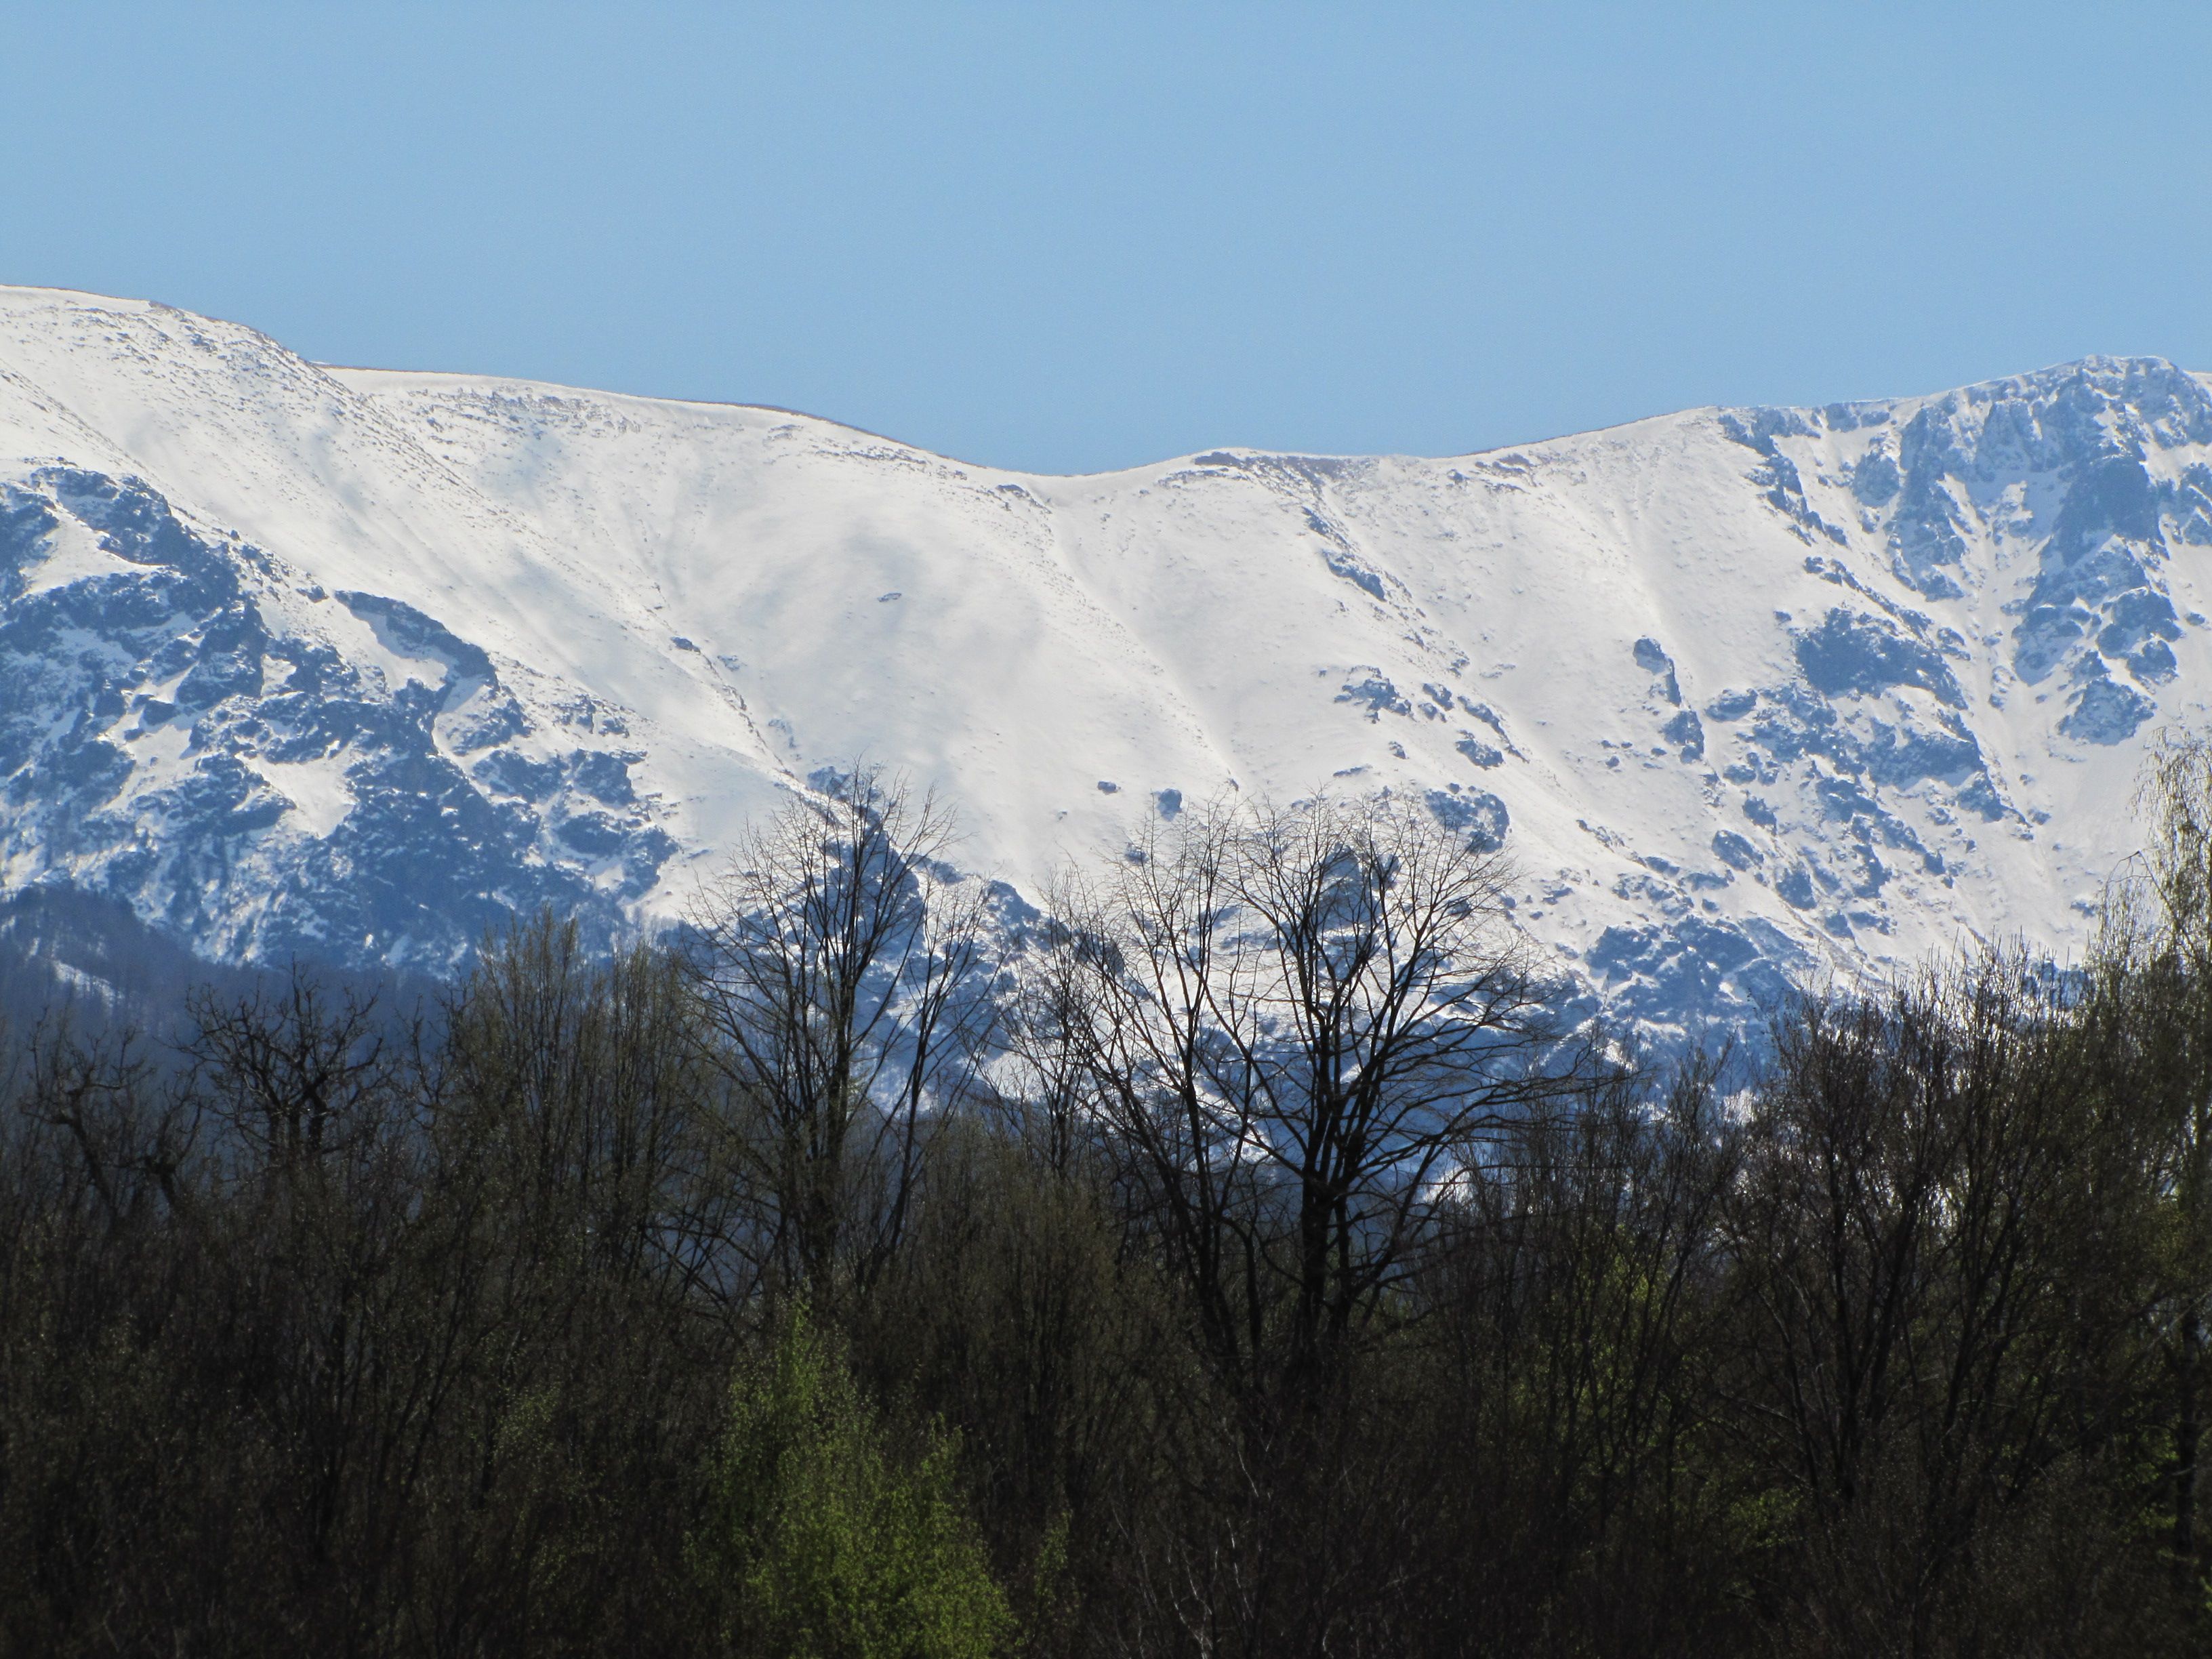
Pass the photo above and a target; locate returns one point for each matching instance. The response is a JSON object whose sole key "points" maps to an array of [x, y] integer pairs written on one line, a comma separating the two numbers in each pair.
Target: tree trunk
{"points": [[2187, 1430]]}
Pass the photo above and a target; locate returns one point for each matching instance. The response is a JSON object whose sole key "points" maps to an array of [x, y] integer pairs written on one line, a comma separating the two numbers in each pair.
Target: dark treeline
{"points": [[1247, 1269]]}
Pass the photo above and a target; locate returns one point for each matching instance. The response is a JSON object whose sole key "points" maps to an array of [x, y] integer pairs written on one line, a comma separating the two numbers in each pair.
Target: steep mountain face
{"points": [[349, 663]]}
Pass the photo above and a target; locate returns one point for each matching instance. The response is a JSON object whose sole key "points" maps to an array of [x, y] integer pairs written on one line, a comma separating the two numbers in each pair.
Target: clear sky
{"points": [[1076, 237]]}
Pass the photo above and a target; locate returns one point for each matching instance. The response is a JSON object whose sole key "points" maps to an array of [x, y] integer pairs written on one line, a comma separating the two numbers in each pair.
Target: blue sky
{"points": [[1070, 238]]}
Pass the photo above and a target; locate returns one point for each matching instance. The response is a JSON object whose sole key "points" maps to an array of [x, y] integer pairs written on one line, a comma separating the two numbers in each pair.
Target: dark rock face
{"points": [[1482, 817], [1736, 851], [2105, 521], [1854, 652], [170, 741], [1781, 484], [1653, 660], [1475, 750], [2107, 713], [2079, 479], [1372, 690], [1687, 733], [1698, 975]]}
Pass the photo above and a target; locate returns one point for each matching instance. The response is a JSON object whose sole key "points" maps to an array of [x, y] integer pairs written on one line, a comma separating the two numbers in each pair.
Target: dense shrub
{"points": [[822, 1540]]}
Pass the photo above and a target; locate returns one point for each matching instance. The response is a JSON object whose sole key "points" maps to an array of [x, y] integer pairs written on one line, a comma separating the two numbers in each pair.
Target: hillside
{"points": [[296, 659]]}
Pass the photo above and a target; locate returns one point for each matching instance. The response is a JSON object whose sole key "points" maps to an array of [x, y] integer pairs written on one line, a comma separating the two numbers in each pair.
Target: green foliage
{"points": [[824, 1540]]}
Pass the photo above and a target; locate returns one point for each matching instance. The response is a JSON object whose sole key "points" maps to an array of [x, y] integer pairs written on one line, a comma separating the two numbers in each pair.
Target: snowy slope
{"points": [[301, 658]]}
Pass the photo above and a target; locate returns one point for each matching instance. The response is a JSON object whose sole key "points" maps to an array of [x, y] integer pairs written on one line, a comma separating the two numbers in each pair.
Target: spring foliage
{"points": [[824, 1538]]}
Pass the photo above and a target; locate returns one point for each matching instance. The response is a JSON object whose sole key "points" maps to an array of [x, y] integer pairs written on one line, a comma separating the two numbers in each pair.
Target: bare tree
{"points": [[1299, 1021], [301, 1069], [583, 1086], [841, 969], [1937, 1252]]}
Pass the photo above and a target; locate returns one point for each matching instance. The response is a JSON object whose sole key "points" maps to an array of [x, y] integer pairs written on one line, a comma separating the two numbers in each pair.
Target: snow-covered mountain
{"points": [[348, 662]]}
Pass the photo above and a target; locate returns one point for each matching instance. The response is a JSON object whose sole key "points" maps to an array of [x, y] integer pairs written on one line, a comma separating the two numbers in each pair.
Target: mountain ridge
{"points": [[1752, 695]]}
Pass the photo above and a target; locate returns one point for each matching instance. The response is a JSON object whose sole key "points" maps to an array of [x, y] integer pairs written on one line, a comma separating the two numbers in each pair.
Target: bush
{"points": [[826, 1542]]}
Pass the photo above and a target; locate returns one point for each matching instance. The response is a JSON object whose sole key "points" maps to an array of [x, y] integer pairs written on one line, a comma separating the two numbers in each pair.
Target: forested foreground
{"points": [[1244, 1268]]}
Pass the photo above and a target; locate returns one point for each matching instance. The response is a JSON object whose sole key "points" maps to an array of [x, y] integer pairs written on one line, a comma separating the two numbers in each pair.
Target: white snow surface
{"points": [[756, 594]]}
